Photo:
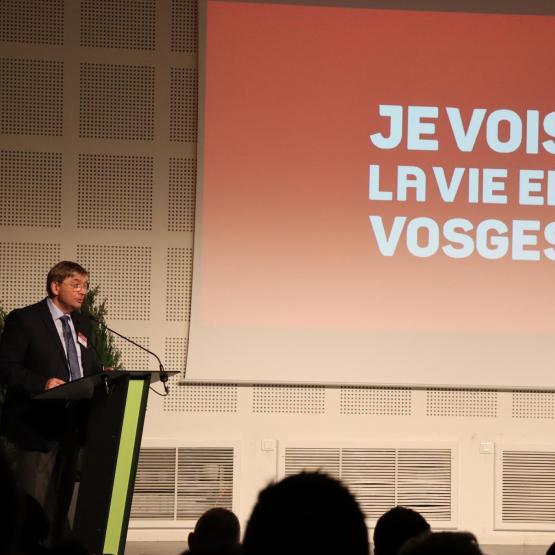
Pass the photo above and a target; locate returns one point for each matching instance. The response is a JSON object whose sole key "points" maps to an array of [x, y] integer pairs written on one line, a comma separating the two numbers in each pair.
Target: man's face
{"points": [[70, 293]]}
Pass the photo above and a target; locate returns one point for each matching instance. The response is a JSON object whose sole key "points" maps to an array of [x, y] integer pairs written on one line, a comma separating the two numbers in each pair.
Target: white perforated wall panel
{"points": [[32, 21], [183, 104], [115, 192], [533, 404], [31, 97], [23, 272], [132, 357], [201, 398], [122, 273], [116, 101], [184, 29], [181, 198], [374, 400], [289, 399], [459, 402], [179, 277], [30, 188], [118, 24]]}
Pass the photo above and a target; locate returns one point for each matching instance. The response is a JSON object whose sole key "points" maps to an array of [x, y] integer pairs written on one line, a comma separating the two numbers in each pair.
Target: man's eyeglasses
{"points": [[76, 286]]}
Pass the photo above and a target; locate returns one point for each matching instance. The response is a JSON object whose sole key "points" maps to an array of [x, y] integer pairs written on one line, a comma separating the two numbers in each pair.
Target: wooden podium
{"points": [[110, 454]]}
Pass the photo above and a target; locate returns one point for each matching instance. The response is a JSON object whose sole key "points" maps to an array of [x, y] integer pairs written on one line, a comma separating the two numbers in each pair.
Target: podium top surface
{"points": [[83, 388]]}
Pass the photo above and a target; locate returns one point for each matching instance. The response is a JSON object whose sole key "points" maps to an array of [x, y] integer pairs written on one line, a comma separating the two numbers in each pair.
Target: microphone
{"points": [[163, 374]]}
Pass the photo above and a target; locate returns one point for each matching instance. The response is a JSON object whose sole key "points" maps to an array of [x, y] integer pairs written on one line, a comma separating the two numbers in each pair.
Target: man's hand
{"points": [[53, 382]]}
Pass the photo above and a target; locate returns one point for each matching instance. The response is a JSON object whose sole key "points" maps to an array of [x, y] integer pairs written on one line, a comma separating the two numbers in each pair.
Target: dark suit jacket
{"points": [[31, 353]]}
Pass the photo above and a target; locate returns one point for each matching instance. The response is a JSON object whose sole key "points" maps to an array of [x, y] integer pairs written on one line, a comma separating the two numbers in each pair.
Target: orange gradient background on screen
{"points": [[291, 97]]}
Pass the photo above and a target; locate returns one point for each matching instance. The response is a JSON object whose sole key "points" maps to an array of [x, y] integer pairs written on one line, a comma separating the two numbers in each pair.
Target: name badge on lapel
{"points": [[82, 339]]}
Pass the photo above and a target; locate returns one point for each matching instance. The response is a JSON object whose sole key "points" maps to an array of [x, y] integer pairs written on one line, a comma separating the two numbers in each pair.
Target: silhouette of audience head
{"points": [[217, 530], [395, 527], [307, 513], [551, 549], [440, 543]]}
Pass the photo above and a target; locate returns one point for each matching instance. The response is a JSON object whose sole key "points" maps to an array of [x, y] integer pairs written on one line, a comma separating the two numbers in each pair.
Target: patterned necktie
{"points": [[73, 360]]}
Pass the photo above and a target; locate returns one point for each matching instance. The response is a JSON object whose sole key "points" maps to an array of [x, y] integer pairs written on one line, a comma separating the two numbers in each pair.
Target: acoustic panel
{"points": [[118, 24], [534, 404], [123, 275], [32, 21], [461, 402], [375, 401], [288, 399], [175, 354], [116, 101], [115, 192], [179, 272], [30, 188], [182, 194], [184, 27], [132, 357], [183, 104], [23, 272], [201, 398], [31, 97]]}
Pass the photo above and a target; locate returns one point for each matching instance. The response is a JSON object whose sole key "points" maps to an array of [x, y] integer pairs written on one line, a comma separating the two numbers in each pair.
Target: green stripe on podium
{"points": [[121, 494]]}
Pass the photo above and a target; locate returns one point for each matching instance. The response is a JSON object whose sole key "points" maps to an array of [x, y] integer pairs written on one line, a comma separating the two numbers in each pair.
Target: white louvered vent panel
{"points": [[154, 493], [312, 459], [370, 475], [204, 480], [528, 487], [383, 476], [424, 482]]}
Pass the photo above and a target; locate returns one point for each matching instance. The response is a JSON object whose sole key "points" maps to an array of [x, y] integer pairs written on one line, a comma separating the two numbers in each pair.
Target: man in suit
{"points": [[43, 346]]}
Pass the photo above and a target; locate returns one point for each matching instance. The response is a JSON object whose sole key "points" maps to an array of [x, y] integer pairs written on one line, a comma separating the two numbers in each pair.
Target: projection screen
{"points": [[376, 192]]}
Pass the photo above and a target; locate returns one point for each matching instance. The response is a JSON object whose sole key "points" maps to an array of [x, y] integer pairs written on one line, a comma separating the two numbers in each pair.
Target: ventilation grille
{"points": [[381, 478], [461, 402], [155, 485], [123, 276], [534, 404], [200, 398], [528, 487], [182, 483], [289, 399], [116, 102], [375, 401], [179, 275], [31, 97], [32, 21], [182, 194], [30, 188], [184, 30], [183, 104], [118, 24], [115, 192], [323, 459], [32, 260]]}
